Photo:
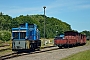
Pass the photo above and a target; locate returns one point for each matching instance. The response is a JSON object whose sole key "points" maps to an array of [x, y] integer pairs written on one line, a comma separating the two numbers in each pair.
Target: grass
{"points": [[5, 43], [88, 43], [5, 52], [0, 43], [85, 55]]}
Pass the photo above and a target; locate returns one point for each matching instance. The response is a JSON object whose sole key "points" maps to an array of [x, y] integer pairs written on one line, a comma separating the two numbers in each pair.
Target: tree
{"points": [[87, 33], [5, 35], [7, 23]]}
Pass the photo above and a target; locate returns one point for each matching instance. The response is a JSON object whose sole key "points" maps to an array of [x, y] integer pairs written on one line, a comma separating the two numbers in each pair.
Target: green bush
{"points": [[5, 35]]}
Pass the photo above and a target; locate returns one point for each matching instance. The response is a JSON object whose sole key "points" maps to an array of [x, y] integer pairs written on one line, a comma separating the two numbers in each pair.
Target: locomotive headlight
{"points": [[26, 37]]}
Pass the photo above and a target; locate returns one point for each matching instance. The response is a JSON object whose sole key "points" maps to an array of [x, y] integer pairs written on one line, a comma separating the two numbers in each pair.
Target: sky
{"points": [[74, 12]]}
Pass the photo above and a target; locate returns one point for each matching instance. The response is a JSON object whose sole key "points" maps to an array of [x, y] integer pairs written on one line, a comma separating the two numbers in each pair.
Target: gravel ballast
{"points": [[52, 53]]}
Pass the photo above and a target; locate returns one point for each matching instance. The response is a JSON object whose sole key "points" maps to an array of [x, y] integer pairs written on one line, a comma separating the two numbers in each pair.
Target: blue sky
{"points": [[74, 12]]}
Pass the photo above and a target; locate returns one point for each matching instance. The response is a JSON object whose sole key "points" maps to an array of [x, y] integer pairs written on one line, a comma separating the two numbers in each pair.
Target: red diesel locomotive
{"points": [[69, 39]]}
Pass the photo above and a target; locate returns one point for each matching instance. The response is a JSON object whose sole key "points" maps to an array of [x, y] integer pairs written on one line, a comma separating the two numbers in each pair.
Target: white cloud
{"points": [[69, 4], [54, 7]]}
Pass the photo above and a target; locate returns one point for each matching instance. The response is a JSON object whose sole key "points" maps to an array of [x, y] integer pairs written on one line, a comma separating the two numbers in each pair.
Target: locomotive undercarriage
{"points": [[26, 45]]}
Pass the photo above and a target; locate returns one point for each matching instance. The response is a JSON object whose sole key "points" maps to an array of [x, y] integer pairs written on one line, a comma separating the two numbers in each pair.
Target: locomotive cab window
{"points": [[22, 35], [61, 36], [15, 35]]}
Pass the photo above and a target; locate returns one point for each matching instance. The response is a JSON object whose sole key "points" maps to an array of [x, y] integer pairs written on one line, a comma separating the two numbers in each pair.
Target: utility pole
{"points": [[44, 24]]}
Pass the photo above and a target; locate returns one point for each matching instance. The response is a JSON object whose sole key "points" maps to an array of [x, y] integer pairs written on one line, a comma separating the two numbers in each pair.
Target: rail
{"points": [[14, 54], [5, 49], [4, 45]]}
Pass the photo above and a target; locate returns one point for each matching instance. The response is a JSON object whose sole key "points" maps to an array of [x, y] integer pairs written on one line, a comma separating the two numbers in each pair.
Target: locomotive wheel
{"points": [[38, 49], [32, 47], [70, 46], [66, 46]]}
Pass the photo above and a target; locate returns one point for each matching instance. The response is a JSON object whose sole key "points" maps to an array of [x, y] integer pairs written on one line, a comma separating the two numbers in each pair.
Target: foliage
{"points": [[52, 24], [5, 35], [87, 33], [5, 22]]}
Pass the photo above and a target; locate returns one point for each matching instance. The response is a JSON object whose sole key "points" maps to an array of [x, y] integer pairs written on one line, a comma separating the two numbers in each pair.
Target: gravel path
{"points": [[53, 54]]}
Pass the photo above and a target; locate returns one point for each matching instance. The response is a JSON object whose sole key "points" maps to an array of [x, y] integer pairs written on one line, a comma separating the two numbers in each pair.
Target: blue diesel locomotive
{"points": [[26, 37]]}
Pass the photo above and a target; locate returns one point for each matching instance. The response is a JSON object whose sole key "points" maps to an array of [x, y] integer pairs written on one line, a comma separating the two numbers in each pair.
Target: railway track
{"points": [[52, 53], [15, 54], [4, 45]]}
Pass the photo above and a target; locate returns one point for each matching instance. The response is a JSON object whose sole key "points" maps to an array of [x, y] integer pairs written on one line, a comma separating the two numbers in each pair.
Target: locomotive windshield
{"points": [[19, 33], [22, 35], [61, 36], [15, 35]]}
